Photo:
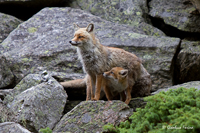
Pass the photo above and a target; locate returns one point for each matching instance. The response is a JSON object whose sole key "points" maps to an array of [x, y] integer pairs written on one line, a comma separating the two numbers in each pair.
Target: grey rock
{"points": [[188, 62], [177, 13], [4, 92], [6, 115], [37, 105], [192, 84], [131, 12], [90, 116], [7, 24], [41, 43], [6, 75], [11, 127]]}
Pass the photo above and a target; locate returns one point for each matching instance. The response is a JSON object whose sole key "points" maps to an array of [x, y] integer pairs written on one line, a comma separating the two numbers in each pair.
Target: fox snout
{"points": [[74, 43]]}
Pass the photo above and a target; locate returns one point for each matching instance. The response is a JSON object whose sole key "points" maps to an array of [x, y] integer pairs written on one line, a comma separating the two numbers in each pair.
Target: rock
{"points": [[11, 127], [6, 75], [188, 62], [7, 24], [196, 3], [42, 42], [62, 76], [92, 115], [192, 84], [6, 115], [29, 81], [131, 12], [71, 104], [176, 13], [137, 103], [37, 105], [4, 92]]}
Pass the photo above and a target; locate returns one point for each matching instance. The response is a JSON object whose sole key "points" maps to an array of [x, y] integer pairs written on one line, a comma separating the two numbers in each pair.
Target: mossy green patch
{"points": [[177, 111]]}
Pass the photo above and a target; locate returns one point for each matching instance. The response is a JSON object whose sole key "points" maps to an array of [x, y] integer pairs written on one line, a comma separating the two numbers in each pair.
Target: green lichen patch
{"points": [[32, 29]]}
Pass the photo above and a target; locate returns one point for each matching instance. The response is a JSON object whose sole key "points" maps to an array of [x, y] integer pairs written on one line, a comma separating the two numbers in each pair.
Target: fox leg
{"points": [[128, 95], [123, 96], [98, 86], [93, 88], [107, 91], [89, 88]]}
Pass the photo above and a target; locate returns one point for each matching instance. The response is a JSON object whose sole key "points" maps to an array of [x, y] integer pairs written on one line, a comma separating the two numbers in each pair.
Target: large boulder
{"points": [[177, 13], [41, 43], [11, 127], [131, 12], [188, 62], [37, 103], [92, 116], [7, 24]]}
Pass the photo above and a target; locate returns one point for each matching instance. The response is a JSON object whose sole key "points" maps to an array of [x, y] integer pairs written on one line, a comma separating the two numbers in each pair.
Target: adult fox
{"points": [[97, 59]]}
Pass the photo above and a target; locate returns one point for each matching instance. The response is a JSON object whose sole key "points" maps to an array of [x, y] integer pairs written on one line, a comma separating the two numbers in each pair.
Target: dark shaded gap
{"points": [[173, 68], [174, 32], [25, 10]]}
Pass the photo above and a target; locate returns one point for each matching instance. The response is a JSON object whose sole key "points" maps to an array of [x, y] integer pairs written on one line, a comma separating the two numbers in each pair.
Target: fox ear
{"points": [[76, 27], [90, 27], [123, 73]]}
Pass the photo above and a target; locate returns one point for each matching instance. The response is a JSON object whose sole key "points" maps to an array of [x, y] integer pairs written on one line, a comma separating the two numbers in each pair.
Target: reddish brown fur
{"points": [[97, 59]]}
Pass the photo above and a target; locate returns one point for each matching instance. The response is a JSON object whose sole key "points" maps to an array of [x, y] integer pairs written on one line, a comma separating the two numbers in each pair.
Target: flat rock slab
{"points": [[177, 13], [91, 116], [192, 84], [11, 127]]}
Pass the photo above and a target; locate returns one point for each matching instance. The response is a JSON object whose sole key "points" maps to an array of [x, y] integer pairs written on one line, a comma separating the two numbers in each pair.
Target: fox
{"points": [[97, 58], [114, 82]]}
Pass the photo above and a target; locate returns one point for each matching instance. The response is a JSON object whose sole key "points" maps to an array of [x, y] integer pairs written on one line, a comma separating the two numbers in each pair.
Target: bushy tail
{"points": [[77, 83]]}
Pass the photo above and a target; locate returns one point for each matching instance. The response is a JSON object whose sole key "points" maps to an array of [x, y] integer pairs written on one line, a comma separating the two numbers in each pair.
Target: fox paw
{"points": [[94, 99]]}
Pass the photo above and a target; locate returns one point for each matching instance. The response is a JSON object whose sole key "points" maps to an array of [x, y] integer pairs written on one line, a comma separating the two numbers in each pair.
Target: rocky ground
{"points": [[35, 55]]}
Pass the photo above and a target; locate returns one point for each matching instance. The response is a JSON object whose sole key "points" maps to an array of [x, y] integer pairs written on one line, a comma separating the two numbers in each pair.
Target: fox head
{"points": [[83, 36], [116, 74]]}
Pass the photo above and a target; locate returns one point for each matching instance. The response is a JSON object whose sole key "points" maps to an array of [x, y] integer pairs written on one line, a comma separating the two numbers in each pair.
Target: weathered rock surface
{"points": [[4, 92], [177, 13], [6, 114], [41, 43], [37, 104], [196, 3], [90, 116], [192, 84], [131, 12], [11, 127], [6, 75], [188, 62], [7, 24], [137, 103]]}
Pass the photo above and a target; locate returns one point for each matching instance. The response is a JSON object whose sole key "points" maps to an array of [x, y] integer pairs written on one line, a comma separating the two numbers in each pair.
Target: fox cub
{"points": [[114, 82], [97, 59]]}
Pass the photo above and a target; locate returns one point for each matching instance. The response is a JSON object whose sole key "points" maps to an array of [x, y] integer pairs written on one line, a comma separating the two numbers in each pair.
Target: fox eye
{"points": [[80, 37], [111, 72]]}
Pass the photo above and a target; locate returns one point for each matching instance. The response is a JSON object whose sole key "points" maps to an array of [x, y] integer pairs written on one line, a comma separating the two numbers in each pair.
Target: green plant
{"points": [[174, 111], [45, 130]]}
